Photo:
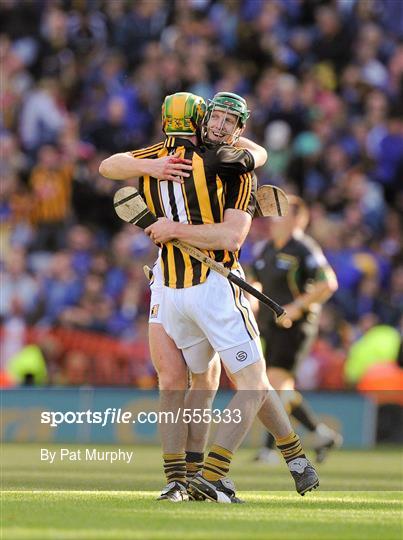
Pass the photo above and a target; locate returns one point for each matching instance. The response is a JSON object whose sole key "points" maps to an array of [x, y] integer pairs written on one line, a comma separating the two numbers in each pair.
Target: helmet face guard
{"points": [[227, 103], [182, 114]]}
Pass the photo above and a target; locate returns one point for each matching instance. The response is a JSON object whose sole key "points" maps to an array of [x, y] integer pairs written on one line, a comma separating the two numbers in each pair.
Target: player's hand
{"points": [[172, 168], [162, 231], [294, 313]]}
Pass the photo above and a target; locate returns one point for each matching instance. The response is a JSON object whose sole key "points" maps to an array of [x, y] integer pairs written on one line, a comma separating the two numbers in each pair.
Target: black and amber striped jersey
{"points": [[51, 193], [222, 178]]}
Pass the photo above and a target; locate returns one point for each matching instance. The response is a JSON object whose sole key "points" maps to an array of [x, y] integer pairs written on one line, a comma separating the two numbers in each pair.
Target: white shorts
{"points": [[216, 311], [198, 357], [157, 293]]}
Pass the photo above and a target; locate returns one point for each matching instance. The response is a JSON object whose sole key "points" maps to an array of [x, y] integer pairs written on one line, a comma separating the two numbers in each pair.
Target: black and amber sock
{"points": [[217, 463], [175, 467], [290, 447], [194, 463]]}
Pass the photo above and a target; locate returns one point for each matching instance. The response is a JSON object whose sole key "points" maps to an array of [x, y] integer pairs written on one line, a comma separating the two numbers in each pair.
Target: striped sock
{"points": [[217, 463], [290, 447], [175, 467], [194, 463]]}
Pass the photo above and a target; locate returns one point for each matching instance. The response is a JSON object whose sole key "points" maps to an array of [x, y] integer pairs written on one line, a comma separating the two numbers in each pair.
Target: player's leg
{"points": [[279, 379], [200, 397], [220, 302], [188, 336], [272, 415], [172, 380], [218, 311], [272, 412], [226, 319], [325, 437], [289, 444], [212, 482], [239, 414], [286, 348]]}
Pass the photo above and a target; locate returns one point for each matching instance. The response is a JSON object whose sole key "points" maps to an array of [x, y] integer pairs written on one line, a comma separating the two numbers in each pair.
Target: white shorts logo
{"points": [[241, 356]]}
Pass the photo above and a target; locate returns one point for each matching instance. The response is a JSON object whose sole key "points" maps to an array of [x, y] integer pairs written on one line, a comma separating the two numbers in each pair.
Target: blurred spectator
{"points": [[12, 159], [42, 116], [14, 327], [60, 288], [35, 363], [94, 309], [390, 156], [76, 368], [50, 181], [331, 33], [368, 198], [379, 344], [30, 366], [80, 243], [17, 285], [133, 30], [111, 134]]}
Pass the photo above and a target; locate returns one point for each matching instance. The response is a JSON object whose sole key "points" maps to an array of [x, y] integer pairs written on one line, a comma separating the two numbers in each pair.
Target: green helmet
{"points": [[229, 103], [182, 114]]}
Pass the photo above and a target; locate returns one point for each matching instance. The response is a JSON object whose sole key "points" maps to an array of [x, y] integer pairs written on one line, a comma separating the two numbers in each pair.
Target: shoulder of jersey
{"points": [[309, 243]]}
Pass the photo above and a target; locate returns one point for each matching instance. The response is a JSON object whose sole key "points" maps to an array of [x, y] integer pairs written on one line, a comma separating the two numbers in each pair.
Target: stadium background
{"points": [[84, 79]]}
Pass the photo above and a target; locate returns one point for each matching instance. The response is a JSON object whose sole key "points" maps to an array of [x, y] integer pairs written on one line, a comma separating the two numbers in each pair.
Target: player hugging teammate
{"points": [[196, 314]]}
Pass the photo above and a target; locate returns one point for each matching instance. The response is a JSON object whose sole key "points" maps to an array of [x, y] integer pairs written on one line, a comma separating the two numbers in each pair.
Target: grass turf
{"points": [[85, 500]]}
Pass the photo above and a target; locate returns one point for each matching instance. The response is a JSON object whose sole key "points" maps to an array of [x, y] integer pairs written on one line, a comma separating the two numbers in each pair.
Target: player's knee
{"points": [[209, 380], [202, 381], [171, 380]]}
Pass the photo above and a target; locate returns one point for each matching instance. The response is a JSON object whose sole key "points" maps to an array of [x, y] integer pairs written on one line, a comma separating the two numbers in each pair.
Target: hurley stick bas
{"points": [[271, 202], [130, 207]]}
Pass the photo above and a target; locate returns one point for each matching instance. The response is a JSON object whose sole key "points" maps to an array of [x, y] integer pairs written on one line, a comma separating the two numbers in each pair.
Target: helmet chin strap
{"points": [[236, 134]]}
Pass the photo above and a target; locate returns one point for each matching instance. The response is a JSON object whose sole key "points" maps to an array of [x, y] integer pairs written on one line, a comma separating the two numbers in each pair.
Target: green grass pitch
{"points": [[359, 499]]}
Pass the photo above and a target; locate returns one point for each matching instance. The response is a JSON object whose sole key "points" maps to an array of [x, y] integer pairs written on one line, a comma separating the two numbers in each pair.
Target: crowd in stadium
{"points": [[83, 79]]}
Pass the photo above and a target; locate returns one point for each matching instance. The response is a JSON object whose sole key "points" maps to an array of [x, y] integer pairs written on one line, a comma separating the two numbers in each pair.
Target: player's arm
{"points": [[127, 165], [318, 291], [322, 284], [258, 152], [228, 235], [232, 162]]}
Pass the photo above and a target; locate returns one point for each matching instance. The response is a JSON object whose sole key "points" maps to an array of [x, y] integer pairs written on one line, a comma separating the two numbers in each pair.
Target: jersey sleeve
{"points": [[233, 160], [315, 264], [241, 193], [151, 152]]}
